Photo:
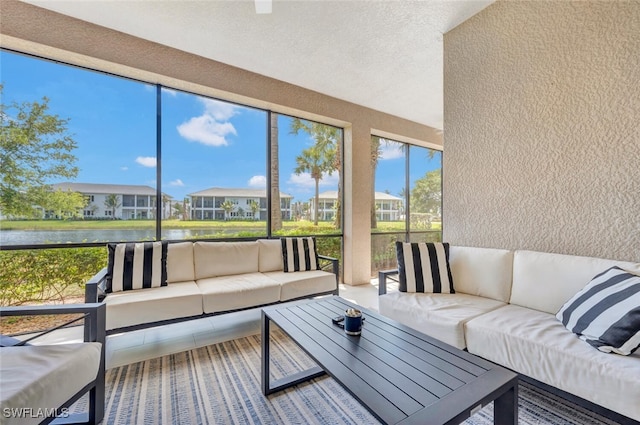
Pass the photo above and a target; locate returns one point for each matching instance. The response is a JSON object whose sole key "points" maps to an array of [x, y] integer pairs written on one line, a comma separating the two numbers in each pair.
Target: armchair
{"points": [[40, 382]]}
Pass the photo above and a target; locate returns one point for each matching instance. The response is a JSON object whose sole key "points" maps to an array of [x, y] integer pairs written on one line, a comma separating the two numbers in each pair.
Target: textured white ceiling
{"points": [[386, 55]]}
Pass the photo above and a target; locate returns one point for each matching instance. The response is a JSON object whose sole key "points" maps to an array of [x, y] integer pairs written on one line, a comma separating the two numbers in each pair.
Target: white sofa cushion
{"points": [[270, 255], [225, 258], [179, 299], [537, 345], [302, 284], [441, 316], [234, 292], [44, 376], [485, 272], [180, 266], [545, 281]]}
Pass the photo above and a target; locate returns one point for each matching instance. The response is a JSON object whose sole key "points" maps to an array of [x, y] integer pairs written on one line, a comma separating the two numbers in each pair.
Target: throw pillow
{"points": [[299, 254], [606, 312], [136, 266], [424, 267]]}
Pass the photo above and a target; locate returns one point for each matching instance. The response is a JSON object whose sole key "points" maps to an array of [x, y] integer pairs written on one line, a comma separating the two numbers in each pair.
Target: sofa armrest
{"points": [[94, 288], [382, 280], [335, 269]]}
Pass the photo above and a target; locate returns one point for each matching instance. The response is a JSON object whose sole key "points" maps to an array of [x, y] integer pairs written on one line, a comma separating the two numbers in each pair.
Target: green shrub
{"points": [[330, 246], [383, 248], [47, 275]]}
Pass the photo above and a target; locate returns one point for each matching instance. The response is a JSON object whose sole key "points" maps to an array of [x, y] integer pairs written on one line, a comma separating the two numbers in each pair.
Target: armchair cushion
{"points": [[30, 373]]}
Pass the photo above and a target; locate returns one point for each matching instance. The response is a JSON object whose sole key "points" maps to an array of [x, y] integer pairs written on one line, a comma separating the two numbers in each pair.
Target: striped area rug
{"points": [[220, 384]]}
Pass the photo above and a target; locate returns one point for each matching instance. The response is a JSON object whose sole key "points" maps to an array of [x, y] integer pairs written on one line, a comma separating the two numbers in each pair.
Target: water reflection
{"points": [[32, 237]]}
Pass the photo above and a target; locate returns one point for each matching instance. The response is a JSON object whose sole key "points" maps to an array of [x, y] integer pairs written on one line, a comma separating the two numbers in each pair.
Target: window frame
{"points": [[154, 209]]}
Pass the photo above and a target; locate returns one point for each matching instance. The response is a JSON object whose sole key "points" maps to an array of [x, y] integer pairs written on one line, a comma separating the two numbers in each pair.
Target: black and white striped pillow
{"points": [[424, 267], [606, 312], [136, 266], [299, 254]]}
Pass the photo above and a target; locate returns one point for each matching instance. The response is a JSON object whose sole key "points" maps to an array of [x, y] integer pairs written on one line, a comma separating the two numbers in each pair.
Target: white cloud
{"points": [[124, 168], [259, 182], [213, 126], [301, 180], [391, 150], [176, 183], [206, 130], [146, 161], [304, 180]]}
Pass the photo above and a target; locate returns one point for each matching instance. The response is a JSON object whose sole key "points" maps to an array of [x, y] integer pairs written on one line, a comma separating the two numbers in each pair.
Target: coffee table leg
{"points": [[287, 381], [265, 353], [505, 407]]}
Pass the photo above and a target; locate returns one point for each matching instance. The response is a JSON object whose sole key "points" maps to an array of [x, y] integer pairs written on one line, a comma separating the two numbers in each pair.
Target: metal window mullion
{"points": [[407, 217], [269, 161], [158, 162]]}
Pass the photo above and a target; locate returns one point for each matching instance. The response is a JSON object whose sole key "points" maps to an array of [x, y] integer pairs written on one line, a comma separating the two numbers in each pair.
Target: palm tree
{"points": [[328, 142], [165, 200], [112, 202], [179, 209], [255, 207], [376, 152], [276, 212], [93, 208], [227, 206], [314, 161], [405, 198], [186, 210]]}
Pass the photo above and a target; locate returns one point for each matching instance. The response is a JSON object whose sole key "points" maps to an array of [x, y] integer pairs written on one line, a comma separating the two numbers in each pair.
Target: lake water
{"points": [[29, 237]]}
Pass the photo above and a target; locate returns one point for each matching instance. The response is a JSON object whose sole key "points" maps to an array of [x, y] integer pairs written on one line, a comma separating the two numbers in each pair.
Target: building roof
{"points": [[236, 192], [100, 188], [380, 196]]}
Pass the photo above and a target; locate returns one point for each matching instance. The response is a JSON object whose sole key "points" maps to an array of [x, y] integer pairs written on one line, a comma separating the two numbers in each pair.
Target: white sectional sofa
{"points": [[207, 278], [504, 311]]}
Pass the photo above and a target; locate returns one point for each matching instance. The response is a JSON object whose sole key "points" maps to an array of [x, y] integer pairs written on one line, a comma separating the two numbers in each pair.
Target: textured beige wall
{"points": [[34, 30], [542, 128]]}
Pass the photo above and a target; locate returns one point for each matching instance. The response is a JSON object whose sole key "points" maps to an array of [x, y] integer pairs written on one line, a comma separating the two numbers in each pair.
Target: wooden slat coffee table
{"points": [[399, 374]]}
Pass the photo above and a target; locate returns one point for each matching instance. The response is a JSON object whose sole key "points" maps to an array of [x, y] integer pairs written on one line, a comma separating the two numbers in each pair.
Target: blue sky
{"points": [[206, 142]]}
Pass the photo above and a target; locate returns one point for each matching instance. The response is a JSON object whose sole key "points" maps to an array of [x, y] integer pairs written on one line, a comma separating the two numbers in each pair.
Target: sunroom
{"points": [[489, 124]]}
